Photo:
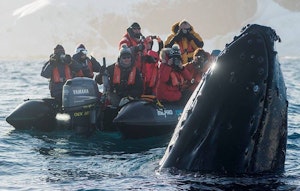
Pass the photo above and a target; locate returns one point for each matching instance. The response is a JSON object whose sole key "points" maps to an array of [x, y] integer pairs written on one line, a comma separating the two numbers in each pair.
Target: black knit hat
{"points": [[124, 50], [135, 25], [59, 49]]}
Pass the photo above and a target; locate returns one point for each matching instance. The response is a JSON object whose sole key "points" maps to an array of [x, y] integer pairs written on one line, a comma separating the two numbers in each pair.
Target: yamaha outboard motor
{"points": [[80, 101]]}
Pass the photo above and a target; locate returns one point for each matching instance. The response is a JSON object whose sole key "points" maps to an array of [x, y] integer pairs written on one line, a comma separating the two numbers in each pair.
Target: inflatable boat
{"points": [[141, 118], [82, 112], [80, 102]]}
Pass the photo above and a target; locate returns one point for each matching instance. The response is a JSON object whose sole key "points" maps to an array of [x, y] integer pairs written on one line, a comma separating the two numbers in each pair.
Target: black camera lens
{"points": [[200, 59], [176, 61]]}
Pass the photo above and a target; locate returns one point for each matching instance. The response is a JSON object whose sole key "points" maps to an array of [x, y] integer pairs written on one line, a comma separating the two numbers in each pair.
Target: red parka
{"points": [[170, 82]]}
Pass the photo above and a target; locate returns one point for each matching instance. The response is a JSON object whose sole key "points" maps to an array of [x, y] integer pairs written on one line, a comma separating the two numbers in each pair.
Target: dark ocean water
{"points": [[63, 161]]}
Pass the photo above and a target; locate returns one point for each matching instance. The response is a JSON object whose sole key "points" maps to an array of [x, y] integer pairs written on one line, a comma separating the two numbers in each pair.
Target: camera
{"points": [[175, 52], [199, 62], [175, 55], [62, 57], [200, 59], [176, 61], [65, 58]]}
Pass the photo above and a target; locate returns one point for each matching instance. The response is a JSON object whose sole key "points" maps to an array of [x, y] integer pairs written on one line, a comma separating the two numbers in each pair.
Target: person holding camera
{"points": [[171, 75], [188, 40], [134, 39], [59, 68], [125, 79], [150, 66], [88, 65], [201, 62]]}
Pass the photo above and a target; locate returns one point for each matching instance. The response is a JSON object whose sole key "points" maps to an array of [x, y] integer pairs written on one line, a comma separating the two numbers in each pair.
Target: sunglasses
{"points": [[136, 28]]}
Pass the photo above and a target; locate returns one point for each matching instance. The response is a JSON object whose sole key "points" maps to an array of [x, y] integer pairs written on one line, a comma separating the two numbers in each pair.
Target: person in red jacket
{"points": [[201, 62], [171, 75], [134, 39], [150, 66]]}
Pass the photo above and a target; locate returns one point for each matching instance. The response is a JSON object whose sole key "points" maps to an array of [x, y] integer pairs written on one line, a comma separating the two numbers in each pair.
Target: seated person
{"points": [[125, 80], [188, 40], [197, 68], [58, 70], [171, 75], [150, 64], [87, 65], [133, 39]]}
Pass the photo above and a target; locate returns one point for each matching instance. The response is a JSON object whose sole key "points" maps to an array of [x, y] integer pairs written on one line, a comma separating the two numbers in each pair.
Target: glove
{"points": [[68, 59], [53, 58], [190, 36], [178, 35], [93, 60]]}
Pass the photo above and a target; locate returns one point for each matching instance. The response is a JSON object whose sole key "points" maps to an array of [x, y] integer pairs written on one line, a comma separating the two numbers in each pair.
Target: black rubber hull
{"points": [[144, 131], [34, 114], [141, 119], [236, 121], [79, 109]]}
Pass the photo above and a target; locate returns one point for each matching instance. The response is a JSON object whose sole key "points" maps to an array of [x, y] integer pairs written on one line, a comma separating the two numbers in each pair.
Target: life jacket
{"points": [[150, 69], [131, 42], [90, 67], [176, 79], [186, 47], [57, 78], [153, 54], [153, 78], [117, 75]]}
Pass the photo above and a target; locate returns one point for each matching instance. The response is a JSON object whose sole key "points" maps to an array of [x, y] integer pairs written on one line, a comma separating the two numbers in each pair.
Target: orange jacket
{"points": [[58, 78], [90, 72], [131, 43], [187, 47], [117, 75], [170, 82]]}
